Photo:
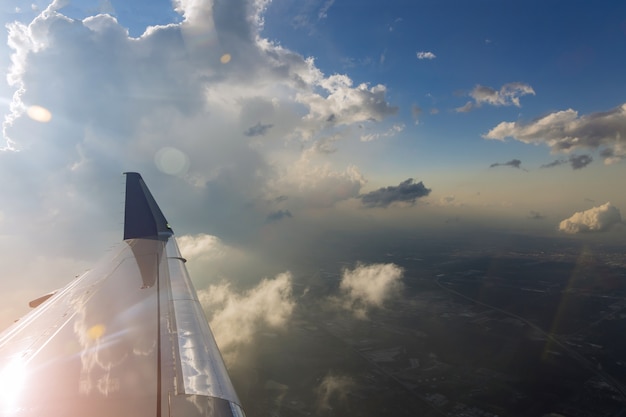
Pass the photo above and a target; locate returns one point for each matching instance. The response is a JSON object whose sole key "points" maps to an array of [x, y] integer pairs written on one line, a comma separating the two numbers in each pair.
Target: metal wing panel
{"points": [[90, 350], [201, 366]]}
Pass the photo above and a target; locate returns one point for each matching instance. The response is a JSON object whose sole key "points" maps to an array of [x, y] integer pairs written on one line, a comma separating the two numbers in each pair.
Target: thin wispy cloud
{"points": [[575, 161], [323, 13], [333, 389], [514, 163], [508, 95], [425, 55], [278, 215], [392, 131]]}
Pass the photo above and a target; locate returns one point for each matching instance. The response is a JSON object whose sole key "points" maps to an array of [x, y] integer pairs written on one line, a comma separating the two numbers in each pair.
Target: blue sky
{"points": [[270, 125]]}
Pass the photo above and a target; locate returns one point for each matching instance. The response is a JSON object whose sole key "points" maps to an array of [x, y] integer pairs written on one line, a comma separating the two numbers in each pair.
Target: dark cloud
{"points": [[535, 215], [515, 163], [407, 191], [278, 215], [580, 161], [258, 129], [554, 163], [576, 161]]}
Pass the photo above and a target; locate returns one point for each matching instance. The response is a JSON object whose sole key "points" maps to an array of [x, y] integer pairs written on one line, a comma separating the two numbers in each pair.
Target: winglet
{"points": [[143, 218]]}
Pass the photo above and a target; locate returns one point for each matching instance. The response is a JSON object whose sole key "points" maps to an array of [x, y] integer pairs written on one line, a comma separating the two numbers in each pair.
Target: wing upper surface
{"points": [[128, 337]]}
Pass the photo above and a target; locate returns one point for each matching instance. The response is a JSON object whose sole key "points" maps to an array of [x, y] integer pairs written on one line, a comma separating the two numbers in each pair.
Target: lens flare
{"points": [[39, 114], [96, 332], [225, 59], [172, 161]]}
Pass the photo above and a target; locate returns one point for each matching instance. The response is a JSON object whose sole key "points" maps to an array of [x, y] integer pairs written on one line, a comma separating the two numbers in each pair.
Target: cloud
{"points": [[258, 129], [467, 107], [580, 161], [333, 389], [278, 215], [596, 219], [406, 192], [392, 131], [554, 163], [116, 103], [576, 161], [509, 94], [326, 144], [236, 317], [566, 131], [323, 13], [535, 215], [368, 286], [309, 184], [210, 260], [447, 200], [425, 55], [515, 163], [201, 246], [343, 104]]}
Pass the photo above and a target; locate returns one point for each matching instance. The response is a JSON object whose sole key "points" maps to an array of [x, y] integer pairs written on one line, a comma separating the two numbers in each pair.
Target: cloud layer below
{"points": [[369, 286], [235, 318]]}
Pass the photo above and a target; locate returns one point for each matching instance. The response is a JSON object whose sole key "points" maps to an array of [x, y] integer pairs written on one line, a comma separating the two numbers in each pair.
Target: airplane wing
{"points": [[127, 338]]}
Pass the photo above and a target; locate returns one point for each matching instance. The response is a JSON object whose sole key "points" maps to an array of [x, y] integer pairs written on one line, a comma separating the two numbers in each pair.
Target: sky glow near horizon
{"points": [[269, 123]]}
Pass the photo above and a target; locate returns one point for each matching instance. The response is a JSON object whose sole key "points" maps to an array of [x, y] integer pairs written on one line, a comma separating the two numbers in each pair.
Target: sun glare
{"points": [[12, 379]]}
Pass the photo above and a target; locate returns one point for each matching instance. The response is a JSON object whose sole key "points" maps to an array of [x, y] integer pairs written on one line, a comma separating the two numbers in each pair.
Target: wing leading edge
{"points": [[129, 337]]}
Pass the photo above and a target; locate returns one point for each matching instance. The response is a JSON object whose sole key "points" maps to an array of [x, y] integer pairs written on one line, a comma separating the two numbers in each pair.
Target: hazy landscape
{"points": [[524, 329]]}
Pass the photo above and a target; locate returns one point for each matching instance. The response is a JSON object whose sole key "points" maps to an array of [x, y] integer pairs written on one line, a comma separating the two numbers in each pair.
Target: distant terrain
{"points": [[529, 328]]}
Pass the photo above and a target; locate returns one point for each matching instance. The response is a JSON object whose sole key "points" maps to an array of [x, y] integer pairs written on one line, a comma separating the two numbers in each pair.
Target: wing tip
{"points": [[143, 219]]}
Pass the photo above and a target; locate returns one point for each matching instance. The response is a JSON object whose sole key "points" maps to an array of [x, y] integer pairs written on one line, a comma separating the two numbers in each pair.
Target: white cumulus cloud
{"points": [[236, 317], [229, 114], [566, 131], [596, 219], [369, 286]]}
